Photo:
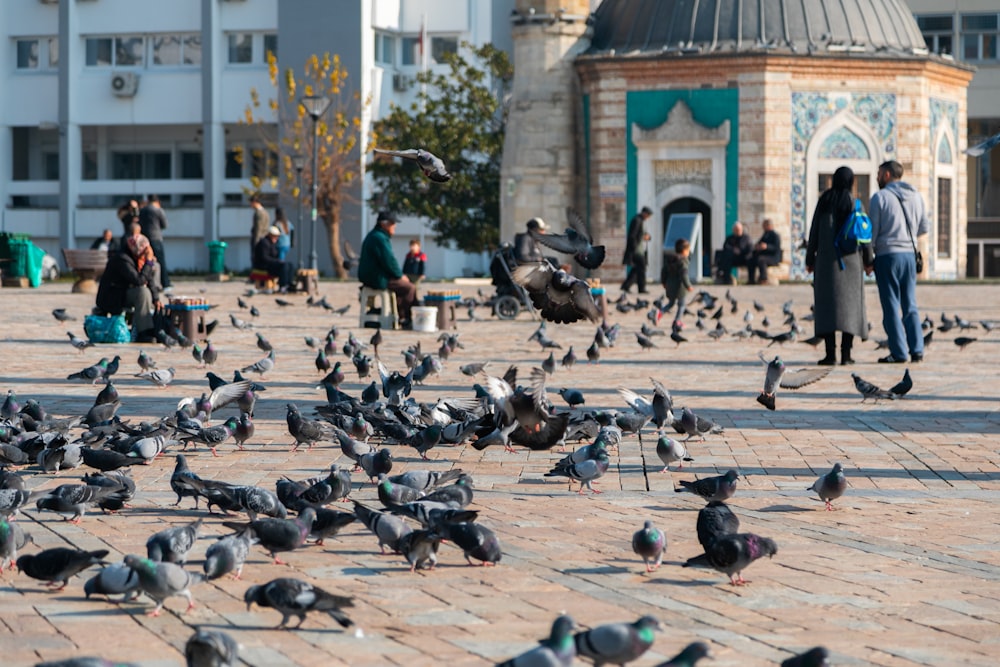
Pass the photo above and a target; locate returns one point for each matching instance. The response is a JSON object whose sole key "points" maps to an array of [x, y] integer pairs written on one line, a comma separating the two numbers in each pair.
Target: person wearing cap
{"points": [[131, 280], [526, 248], [267, 257], [636, 253], [378, 268]]}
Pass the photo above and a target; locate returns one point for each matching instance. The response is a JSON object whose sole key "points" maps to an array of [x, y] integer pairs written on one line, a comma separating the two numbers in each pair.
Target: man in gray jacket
{"points": [[898, 218], [153, 221]]}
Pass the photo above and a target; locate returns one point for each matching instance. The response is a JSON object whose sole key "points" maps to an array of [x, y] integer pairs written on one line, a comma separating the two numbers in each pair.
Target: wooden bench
{"points": [[88, 265]]}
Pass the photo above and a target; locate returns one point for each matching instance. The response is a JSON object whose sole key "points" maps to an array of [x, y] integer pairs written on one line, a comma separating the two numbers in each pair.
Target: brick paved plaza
{"points": [[904, 572]]}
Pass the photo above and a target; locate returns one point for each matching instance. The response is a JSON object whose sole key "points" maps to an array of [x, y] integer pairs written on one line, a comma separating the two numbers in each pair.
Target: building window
{"points": [[27, 54], [53, 52], [191, 164], [944, 218], [140, 165], [979, 36], [234, 163], [442, 46], [176, 50], [385, 49], [411, 51], [88, 165], [938, 32], [240, 49], [270, 45], [123, 51], [984, 171], [50, 163], [263, 163]]}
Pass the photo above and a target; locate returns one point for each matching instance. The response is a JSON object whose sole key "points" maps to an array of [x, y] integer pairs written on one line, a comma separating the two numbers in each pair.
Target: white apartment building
{"points": [[105, 100]]}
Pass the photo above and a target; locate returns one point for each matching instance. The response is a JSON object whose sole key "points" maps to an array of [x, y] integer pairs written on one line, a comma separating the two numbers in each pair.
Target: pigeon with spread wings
{"points": [[559, 296], [574, 242], [432, 166], [779, 376]]}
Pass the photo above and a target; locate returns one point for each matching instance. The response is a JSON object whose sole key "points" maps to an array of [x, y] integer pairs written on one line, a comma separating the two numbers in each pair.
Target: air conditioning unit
{"points": [[124, 84], [400, 82]]}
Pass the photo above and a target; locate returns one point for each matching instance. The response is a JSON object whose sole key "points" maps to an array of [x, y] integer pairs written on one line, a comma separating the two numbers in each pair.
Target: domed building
{"points": [[734, 109]]}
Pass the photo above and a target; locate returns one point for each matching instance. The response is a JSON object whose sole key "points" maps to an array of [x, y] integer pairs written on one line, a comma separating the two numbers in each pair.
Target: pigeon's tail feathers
{"points": [[767, 400], [697, 561]]}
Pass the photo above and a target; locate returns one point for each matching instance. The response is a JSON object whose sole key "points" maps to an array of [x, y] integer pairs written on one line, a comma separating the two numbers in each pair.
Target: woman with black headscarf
{"points": [[838, 288]]}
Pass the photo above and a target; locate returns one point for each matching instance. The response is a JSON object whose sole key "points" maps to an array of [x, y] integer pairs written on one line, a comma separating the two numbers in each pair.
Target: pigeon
{"points": [[617, 643], [423, 480], [59, 564], [649, 543], [376, 463], [474, 369], [74, 498], [391, 494], [180, 481], [903, 387], [211, 648], [227, 555], [79, 343], [244, 430], [573, 397], [91, 373], [559, 296], [254, 312], [645, 342], [778, 376], [984, 146], [830, 486], [173, 544], [12, 538], [261, 367], [715, 520], [145, 361], [964, 341], [731, 554], [689, 657], [278, 535], [569, 358], [671, 451], [594, 353], [420, 548], [160, 377], [475, 541], [431, 165], [113, 579], [721, 487], [328, 523], [387, 528], [574, 242], [263, 344], [549, 364], [308, 431], [693, 425], [869, 390], [282, 302], [558, 650], [294, 597], [351, 259], [212, 436], [585, 472], [814, 657], [161, 581], [62, 316]]}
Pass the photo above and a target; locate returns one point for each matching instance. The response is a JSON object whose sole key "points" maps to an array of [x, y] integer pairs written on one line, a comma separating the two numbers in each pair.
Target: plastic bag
{"points": [[107, 329]]}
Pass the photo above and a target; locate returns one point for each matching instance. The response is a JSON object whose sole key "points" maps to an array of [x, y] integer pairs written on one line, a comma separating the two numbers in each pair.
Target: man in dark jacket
{"points": [[525, 247], [130, 281], [267, 257], [153, 221], [767, 252], [636, 254], [378, 268], [736, 251]]}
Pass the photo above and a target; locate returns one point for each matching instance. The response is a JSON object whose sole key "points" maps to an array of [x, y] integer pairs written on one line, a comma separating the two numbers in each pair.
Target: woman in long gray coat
{"points": [[839, 292]]}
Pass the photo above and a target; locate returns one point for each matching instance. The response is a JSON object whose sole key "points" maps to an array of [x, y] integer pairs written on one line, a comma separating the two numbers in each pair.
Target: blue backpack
{"points": [[854, 233]]}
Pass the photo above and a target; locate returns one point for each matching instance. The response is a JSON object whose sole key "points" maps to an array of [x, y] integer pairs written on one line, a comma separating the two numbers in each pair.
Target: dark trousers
{"points": [[283, 271], [758, 264], [161, 259], [726, 261], [406, 295], [636, 274]]}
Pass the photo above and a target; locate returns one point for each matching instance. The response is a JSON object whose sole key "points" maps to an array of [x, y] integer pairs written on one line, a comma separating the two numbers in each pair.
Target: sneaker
{"points": [[917, 358], [889, 359]]}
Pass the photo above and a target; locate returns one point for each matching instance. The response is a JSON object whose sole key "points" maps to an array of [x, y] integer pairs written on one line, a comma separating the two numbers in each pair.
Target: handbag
{"points": [[917, 255]]}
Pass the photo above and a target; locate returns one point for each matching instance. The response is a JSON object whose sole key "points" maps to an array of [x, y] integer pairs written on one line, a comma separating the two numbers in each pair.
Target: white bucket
{"points": [[424, 318]]}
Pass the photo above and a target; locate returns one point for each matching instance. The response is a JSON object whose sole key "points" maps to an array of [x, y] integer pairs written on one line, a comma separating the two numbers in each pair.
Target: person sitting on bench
{"points": [[266, 258], [132, 280], [735, 251], [767, 252]]}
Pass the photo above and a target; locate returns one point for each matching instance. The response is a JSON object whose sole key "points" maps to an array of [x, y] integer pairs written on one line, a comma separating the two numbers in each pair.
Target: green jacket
{"points": [[674, 275], [377, 265]]}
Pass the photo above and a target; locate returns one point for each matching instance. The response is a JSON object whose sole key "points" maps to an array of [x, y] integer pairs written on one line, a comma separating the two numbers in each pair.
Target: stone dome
{"points": [[867, 28]]}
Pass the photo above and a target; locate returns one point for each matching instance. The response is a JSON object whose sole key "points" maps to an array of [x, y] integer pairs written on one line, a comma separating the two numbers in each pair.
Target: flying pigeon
{"points": [[981, 148], [830, 486], [432, 166], [559, 296], [779, 376], [574, 242]]}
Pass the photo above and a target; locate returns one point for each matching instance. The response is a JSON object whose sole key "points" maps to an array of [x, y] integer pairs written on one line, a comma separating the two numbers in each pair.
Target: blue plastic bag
{"points": [[107, 329]]}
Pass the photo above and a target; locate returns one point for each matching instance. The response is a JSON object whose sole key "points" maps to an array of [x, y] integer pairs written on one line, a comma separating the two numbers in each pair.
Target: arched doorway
{"points": [[694, 205]]}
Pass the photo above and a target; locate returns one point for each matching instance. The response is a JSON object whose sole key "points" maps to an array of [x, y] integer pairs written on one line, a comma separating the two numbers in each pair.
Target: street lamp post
{"points": [[315, 106], [298, 162]]}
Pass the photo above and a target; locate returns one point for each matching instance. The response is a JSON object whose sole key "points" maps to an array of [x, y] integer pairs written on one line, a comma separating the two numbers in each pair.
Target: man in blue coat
{"points": [[378, 268]]}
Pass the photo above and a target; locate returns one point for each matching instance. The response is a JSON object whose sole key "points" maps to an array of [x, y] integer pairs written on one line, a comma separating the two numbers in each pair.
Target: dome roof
{"points": [[691, 27]]}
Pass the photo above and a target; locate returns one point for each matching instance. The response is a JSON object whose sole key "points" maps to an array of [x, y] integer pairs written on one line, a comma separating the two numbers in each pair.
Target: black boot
{"points": [[831, 351], [846, 342]]}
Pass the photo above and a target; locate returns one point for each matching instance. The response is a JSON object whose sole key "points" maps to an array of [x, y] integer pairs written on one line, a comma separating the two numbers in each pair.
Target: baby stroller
{"points": [[510, 298]]}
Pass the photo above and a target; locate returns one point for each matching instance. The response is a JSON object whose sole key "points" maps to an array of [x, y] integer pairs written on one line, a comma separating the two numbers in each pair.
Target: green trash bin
{"points": [[25, 258], [216, 256]]}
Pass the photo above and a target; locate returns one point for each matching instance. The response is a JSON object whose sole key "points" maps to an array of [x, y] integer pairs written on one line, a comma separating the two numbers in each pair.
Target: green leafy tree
{"points": [[339, 131], [460, 116]]}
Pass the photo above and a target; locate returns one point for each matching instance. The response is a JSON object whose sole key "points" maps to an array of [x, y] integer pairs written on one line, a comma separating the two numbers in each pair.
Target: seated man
{"points": [[266, 256], [131, 280], [767, 252], [736, 251], [106, 241], [378, 268], [526, 248]]}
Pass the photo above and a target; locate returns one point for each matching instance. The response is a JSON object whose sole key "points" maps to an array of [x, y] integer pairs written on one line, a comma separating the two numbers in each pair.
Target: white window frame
{"points": [[933, 36], [44, 54], [183, 36], [258, 54], [979, 34], [114, 51]]}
